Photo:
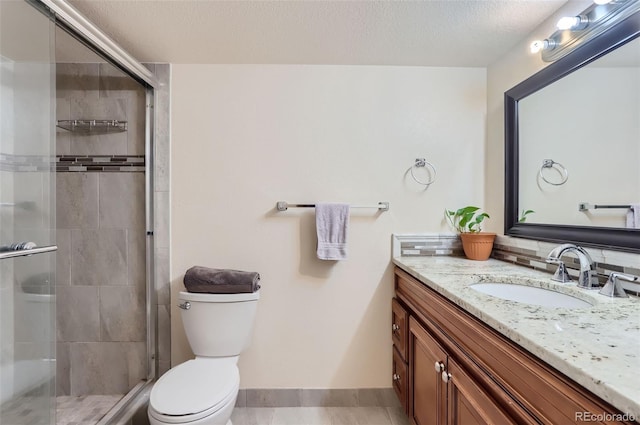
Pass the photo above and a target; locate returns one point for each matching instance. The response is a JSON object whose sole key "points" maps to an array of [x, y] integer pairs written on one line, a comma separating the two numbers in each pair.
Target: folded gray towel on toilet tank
{"points": [[220, 281]]}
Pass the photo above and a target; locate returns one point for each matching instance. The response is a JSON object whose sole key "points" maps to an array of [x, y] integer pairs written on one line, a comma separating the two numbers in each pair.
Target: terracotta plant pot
{"points": [[477, 246]]}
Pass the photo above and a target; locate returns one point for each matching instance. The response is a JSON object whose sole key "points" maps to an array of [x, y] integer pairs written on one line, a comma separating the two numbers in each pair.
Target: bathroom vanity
{"points": [[464, 357]]}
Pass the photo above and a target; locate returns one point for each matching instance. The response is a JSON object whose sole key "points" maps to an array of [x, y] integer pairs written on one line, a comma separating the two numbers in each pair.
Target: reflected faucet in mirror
{"points": [[588, 277]]}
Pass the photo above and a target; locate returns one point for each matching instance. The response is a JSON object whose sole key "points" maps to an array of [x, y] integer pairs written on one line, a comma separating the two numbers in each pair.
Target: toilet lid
{"points": [[194, 387]]}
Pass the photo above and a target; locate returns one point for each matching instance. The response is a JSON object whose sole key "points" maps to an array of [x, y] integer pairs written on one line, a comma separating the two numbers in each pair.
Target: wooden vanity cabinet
{"points": [[399, 336], [460, 371]]}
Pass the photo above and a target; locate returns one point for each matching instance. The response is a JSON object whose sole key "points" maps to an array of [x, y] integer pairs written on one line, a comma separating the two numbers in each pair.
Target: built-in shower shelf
{"points": [[93, 126]]}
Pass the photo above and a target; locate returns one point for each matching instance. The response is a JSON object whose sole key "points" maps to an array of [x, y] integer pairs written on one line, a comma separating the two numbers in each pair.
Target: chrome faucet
{"points": [[588, 278]]}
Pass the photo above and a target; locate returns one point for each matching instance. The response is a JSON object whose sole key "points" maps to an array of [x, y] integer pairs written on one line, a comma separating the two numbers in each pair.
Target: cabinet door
{"points": [[427, 391], [468, 403], [399, 328]]}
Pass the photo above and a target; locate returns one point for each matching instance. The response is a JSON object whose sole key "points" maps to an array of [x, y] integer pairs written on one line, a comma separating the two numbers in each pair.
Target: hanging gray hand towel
{"points": [[220, 281], [332, 223], [633, 216]]}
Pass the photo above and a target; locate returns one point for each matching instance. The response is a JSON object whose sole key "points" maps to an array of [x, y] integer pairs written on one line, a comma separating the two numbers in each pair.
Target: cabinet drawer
{"points": [[400, 379], [399, 328]]}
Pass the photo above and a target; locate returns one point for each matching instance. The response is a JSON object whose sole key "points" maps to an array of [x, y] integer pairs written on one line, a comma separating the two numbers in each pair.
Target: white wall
{"points": [[246, 136]]}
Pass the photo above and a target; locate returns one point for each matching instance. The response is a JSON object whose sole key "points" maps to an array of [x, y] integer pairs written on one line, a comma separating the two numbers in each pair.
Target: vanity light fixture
{"points": [[573, 31]]}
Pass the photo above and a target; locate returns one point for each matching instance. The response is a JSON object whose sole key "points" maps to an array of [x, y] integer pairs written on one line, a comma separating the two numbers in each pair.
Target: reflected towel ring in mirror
{"points": [[420, 163], [550, 163]]}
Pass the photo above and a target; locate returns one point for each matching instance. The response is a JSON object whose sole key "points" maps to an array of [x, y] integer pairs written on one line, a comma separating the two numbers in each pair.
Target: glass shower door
{"points": [[27, 215]]}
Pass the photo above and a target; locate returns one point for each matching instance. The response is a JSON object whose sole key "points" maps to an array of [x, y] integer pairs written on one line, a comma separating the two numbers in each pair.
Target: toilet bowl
{"points": [[203, 391]]}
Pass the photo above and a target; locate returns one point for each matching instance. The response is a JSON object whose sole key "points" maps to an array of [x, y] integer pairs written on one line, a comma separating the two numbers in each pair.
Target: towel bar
{"points": [[584, 206], [11, 251], [283, 206]]}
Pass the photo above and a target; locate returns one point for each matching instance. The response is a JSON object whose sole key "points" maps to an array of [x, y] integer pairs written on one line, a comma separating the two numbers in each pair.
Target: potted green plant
{"points": [[477, 245]]}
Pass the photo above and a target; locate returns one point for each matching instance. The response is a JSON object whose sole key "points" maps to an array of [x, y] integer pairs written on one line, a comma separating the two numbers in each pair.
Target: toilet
{"points": [[203, 391]]}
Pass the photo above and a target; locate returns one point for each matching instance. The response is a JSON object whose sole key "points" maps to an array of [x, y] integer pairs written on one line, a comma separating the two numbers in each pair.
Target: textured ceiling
{"points": [[428, 33]]}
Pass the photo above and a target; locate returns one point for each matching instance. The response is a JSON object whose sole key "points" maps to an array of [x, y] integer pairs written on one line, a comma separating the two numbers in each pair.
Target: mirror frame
{"points": [[602, 237]]}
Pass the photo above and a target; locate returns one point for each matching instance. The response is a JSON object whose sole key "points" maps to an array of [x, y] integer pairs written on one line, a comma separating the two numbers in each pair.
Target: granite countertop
{"points": [[598, 346]]}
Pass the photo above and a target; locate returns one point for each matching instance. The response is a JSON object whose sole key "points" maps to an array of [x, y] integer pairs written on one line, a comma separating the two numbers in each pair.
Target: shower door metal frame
{"points": [[69, 19], [152, 332], [90, 34]]}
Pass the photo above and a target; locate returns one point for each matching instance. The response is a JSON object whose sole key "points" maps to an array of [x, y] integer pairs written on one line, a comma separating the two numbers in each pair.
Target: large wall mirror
{"points": [[572, 152]]}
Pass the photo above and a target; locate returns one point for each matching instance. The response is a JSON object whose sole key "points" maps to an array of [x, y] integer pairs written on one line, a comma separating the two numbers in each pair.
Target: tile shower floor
{"points": [[83, 410]]}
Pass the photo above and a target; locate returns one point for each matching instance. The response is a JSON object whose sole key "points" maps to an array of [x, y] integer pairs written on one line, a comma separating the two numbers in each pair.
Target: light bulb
{"points": [[573, 22], [602, 1], [536, 46], [568, 22], [545, 44]]}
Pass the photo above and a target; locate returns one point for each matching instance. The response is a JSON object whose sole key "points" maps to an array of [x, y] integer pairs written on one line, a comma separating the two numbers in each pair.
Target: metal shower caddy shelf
{"points": [[93, 126]]}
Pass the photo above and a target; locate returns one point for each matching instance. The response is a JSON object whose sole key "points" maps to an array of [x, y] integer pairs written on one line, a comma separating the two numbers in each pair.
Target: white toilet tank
{"points": [[218, 325]]}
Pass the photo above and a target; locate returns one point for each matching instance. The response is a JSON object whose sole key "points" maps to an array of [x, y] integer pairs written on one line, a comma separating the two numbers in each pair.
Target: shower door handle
{"points": [[24, 249]]}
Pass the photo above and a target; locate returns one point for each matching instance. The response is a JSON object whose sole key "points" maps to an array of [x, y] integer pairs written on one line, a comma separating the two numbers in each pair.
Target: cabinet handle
{"points": [[396, 377], [446, 376], [439, 367], [395, 328]]}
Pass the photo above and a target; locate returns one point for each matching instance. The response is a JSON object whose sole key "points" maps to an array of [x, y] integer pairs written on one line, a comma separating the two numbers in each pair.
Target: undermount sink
{"points": [[529, 295]]}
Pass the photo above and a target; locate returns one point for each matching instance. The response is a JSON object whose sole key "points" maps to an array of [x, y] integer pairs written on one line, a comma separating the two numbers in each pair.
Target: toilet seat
{"points": [[194, 390]]}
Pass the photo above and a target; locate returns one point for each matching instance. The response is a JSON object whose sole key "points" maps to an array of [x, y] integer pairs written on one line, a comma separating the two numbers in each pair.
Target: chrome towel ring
{"points": [[550, 163], [421, 162]]}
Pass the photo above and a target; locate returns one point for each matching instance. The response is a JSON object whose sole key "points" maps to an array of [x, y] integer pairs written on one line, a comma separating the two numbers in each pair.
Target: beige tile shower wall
{"points": [[246, 136], [99, 91], [101, 269]]}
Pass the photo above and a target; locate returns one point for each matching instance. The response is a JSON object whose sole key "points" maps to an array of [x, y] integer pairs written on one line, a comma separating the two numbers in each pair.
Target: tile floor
{"points": [[88, 410], [85, 410], [319, 416], [24, 410]]}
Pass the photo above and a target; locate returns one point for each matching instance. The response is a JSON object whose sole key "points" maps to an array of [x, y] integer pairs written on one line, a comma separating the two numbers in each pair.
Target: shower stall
{"points": [[81, 292], [100, 233]]}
